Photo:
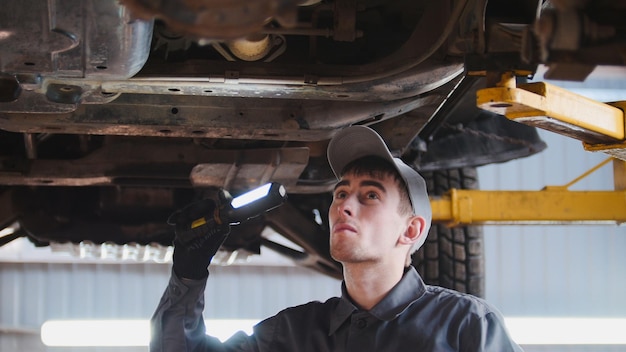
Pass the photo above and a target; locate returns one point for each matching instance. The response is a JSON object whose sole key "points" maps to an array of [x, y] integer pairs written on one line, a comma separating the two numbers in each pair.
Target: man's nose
{"points": [[346, 207]]}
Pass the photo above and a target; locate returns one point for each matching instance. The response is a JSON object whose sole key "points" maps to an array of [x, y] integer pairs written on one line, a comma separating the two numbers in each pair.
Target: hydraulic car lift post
{"points": [[601, 128]]}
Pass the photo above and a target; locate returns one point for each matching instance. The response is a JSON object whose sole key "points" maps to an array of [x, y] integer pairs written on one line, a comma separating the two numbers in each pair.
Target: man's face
{"points": [[365, 220]]}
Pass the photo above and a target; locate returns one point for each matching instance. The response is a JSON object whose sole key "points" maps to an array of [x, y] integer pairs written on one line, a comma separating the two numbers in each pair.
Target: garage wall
{"points": [[31, 293], [531, 271], [555, 270]]}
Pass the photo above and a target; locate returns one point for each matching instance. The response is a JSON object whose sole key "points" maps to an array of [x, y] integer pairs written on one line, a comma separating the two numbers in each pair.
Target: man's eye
{"points": [[371, 195], [340, 195]]}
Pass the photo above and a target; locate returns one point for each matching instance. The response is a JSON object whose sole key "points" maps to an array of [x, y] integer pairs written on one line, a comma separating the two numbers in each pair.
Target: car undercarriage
{"points": [[115, 113]]}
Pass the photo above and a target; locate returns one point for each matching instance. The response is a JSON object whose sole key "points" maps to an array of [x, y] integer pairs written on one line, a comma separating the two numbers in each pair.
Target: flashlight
{"points": [[254, 203], [240, 209]]}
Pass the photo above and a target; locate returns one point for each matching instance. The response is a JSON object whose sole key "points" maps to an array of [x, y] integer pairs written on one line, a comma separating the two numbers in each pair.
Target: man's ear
{"points": [[414, 230]]}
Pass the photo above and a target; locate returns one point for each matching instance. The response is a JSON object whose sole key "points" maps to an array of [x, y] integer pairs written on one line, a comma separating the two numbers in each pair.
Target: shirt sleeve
{"points": [[178, 324], [489, 333]]}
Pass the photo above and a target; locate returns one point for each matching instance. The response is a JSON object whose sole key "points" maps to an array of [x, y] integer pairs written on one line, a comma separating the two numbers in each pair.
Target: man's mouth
{"points": [[343, 227]]}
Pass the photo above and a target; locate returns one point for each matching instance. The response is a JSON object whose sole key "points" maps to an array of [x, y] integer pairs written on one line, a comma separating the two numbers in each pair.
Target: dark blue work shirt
{"points": [[412, 317]]}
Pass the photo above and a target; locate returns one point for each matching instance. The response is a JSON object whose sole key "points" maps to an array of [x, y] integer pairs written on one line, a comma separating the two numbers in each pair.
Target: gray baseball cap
{"points": [[355, 142]]}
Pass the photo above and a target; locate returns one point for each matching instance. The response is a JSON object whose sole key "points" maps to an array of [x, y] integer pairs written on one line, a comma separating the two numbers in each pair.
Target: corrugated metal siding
{"points": [[32, 293], [555, 270], [259, 292], [79, 291]]}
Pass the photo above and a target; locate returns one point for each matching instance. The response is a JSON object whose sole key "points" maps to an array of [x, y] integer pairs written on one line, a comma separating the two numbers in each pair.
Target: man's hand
{"points": [[199, 234]]}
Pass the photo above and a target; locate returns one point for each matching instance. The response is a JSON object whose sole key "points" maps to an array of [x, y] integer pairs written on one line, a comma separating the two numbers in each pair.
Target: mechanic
{"points": [[379, 216]]}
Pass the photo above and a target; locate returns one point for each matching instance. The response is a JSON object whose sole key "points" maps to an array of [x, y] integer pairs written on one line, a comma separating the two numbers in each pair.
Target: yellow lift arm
{"points": [[600, 126], [551, 205]]}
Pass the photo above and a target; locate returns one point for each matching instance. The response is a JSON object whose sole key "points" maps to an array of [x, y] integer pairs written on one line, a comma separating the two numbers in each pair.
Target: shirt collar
{"points": [[408, 290]]}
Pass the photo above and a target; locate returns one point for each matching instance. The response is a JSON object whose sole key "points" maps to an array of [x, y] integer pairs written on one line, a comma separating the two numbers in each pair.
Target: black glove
{"points": [[199, 234]]}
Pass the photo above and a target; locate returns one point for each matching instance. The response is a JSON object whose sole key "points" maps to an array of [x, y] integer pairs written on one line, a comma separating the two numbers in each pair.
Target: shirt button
{"points": [[361, 323]]}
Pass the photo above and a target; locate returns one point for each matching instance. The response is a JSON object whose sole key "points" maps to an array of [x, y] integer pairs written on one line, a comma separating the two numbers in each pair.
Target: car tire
{"points": [[452, 257]]}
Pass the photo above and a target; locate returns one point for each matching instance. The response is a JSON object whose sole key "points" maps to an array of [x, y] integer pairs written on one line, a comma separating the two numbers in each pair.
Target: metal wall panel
{"points": [[573, 270], [32, 293], [555, 270]]}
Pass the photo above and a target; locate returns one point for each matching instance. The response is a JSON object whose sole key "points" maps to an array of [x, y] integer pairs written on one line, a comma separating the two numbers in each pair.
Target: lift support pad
{"points": [[600, 126]]}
